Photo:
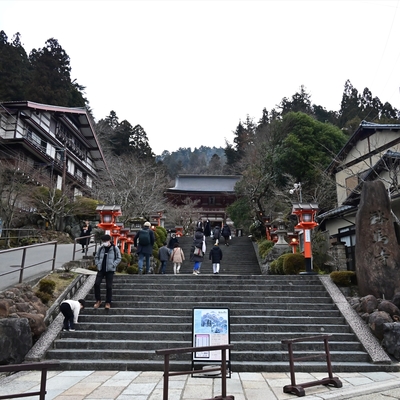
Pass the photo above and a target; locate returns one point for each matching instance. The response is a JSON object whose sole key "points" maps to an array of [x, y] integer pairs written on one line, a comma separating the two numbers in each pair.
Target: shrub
{"points": [[343, 278], [264, 247], [273, 268], [279, 263], [293, 264], [132, 269], [44, 297], [47, 286], [126, 258], [92, 268], [122, 266]]}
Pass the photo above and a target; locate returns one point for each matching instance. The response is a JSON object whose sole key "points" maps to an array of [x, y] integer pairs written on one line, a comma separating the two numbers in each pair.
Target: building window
{"points": [[351, 184], [211, 201], [36, 140]]}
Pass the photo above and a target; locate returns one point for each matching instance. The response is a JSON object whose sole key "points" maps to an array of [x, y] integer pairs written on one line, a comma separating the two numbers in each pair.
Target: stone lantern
{"points": [[306, 213], [108, 216]]}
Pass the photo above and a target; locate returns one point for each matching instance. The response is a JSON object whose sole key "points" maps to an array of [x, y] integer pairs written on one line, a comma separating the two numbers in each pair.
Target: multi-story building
{"points": [[56, 145], [372, 152]]}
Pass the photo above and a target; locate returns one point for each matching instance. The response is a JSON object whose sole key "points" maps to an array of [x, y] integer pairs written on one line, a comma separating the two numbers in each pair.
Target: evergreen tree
{"points": [[139, 143], [14, 68], [300, 102], [50, 81]]}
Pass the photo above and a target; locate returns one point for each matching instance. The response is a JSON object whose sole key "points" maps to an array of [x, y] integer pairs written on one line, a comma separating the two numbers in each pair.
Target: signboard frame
{"points": [[210, 327]]}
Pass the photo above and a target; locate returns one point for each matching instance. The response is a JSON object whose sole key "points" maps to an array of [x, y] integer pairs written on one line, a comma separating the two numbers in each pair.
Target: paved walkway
{"points": [[135, 385]]}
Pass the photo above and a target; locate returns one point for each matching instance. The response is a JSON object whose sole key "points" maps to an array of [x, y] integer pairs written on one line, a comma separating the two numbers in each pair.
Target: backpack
{"points": [[144, 237]]}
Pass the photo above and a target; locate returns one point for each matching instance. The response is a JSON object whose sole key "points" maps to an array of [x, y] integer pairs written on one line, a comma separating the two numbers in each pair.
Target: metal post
{"points": [[223, 372], [54, 257], [166, 376], [21, 273], [42, 395]]}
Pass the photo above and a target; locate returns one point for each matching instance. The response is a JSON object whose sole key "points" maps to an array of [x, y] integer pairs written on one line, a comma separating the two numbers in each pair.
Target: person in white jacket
{"points": [[71, 309]]}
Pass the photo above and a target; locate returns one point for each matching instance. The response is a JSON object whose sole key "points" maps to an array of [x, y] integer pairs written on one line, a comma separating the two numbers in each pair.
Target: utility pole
{"points": [[64, 173]]}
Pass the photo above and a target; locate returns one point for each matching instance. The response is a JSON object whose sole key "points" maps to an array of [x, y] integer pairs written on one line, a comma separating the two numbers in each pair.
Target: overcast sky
{"points": [[188, 71]]}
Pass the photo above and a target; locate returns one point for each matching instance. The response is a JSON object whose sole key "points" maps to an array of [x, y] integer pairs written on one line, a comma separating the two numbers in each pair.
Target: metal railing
{"points": [[222, 368], [298, 389], [24, 250], [86, 247], [42, 366]]}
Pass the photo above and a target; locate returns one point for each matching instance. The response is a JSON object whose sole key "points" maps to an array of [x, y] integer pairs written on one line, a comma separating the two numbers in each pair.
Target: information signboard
{"points": [[210, 327]]}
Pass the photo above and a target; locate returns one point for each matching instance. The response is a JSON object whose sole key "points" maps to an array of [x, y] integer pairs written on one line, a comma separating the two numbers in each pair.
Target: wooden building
{"points": [[214, 194]]}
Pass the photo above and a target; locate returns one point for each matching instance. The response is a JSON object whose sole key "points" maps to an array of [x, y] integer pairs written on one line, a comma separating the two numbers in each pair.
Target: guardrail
{"points": [[42, 366], [86, 248], [24, 250], [222, 368], [298, 389]]}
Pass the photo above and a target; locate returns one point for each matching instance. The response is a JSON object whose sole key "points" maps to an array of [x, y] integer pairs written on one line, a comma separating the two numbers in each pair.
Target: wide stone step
{"points": [[157, 279], [187, 335], [159, 312], [158, 365], [234, 320], [211, 293], [278, 304], [85, 344], [178, 327], [261, 356]]}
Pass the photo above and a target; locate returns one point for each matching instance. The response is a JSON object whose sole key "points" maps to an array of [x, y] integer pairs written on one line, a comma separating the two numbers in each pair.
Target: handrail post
{"points": [[223, 372], [42, 395], [166, 377], [21, 273], [298, 389], [54, 256], [73, 252]]}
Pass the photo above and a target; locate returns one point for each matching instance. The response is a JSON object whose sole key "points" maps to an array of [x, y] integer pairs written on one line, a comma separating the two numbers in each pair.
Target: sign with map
{"points": [[210, 327]]}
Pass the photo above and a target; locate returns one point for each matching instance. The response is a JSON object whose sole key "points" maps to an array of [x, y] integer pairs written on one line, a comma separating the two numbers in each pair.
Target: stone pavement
{"points": [[136, 385]]}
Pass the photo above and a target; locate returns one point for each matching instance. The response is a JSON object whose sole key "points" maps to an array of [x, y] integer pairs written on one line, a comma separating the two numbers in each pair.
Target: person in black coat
{"points": [[215, 256], [226, 233], [86, 230], [207, 228]]}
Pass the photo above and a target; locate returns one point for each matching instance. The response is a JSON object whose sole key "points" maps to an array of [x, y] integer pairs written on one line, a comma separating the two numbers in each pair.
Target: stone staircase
{"points": [[151, 312], [238, 259]]}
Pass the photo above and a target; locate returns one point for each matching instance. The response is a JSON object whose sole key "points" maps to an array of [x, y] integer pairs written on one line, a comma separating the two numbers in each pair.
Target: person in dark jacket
{"points": [[163, 256], [226, 233], [144, 251], [198, 243], [86, 230], [215, 256], [216, 233], [107, 258], [172, 241], [207, 228]]}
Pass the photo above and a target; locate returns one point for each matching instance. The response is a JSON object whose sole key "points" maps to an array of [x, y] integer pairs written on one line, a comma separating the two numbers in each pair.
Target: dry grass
{"points": [[62, 280]]}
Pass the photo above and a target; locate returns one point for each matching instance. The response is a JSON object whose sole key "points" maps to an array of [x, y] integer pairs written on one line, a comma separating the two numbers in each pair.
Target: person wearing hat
{"points": [[106, 259], [144, 241]]}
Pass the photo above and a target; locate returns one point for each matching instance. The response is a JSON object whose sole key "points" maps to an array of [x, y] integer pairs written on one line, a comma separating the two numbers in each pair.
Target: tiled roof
{"points": [[205, 183], [335, 212]]}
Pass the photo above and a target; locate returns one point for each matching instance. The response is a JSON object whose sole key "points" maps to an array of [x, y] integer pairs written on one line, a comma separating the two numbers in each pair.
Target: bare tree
{"points": [[136, 185], [184, 215]]}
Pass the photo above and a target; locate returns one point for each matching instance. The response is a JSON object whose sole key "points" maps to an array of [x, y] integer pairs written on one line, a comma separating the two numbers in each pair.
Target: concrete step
{"points": [[254, 356], [150, 312], [76, 343], [186, 336], [232, 305], [238, 366], [235, 320], [244, 312]]}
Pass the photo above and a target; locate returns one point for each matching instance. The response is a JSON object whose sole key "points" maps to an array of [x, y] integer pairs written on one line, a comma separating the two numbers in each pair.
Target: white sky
{"points": [[188, 71]]}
